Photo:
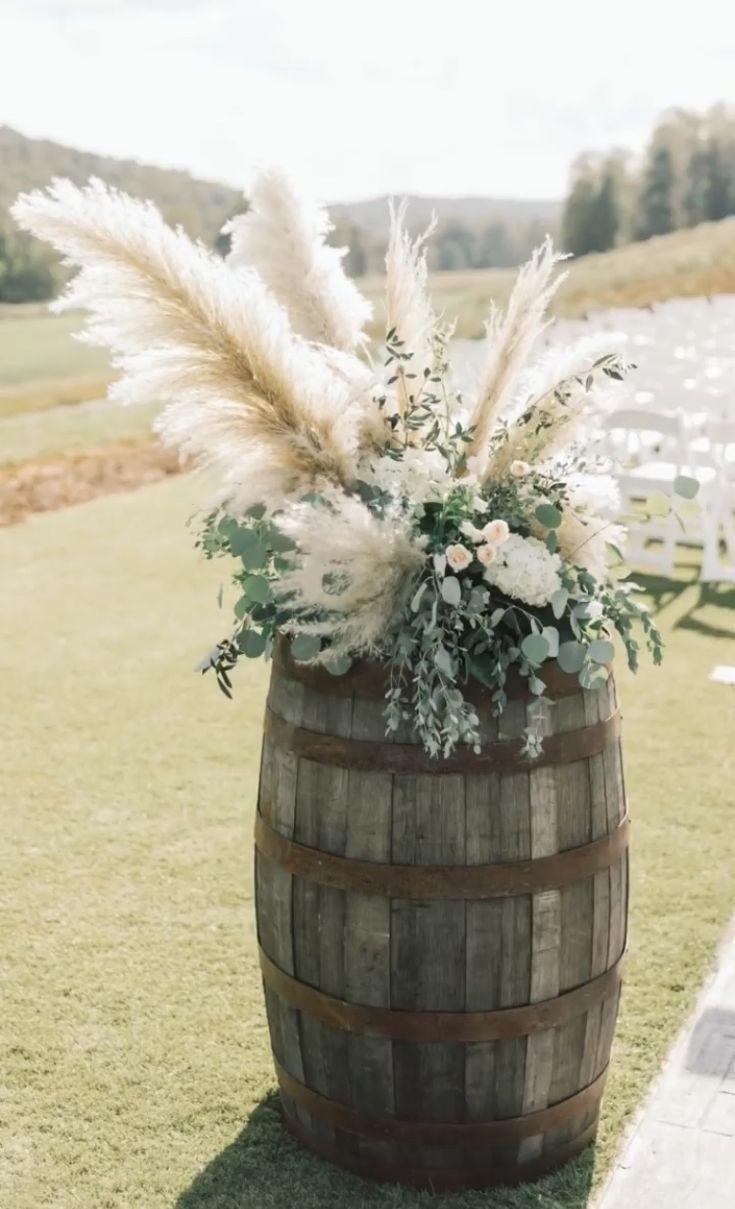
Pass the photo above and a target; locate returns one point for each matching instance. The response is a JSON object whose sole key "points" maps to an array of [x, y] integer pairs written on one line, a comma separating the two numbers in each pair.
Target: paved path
{"points": [[681, 1154]]}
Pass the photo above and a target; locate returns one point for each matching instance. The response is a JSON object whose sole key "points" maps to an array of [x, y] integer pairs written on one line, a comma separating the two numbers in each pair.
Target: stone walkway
{"points": [[681, 1154]]}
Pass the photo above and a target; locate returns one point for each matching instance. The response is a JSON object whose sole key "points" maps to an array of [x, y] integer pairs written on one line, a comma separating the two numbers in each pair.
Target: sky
{"points": [[361, 98]]}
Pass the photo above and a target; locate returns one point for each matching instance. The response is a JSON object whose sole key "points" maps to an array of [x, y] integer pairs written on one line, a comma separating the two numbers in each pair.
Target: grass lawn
{"points": [[41, 365], [137, 1071], [68, 429]]}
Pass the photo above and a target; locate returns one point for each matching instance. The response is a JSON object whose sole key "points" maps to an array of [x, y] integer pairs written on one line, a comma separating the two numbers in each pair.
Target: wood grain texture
{"points": [[439, 954]]}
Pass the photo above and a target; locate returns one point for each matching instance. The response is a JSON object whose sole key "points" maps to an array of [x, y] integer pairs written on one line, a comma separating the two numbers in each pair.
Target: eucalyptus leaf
{"points": [[305, 646], [416, 600], [559, 602], [551, 634], [593, 677], [451, 590], [601, 651], [535, 648], [338, 667], [258, 589], [444, 662], [685, 486], [548, 515], [571, 656], [242, 608], [252, 643]]}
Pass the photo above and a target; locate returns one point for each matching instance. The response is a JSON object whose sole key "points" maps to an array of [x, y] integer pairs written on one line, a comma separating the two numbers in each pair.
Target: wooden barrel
{"points": [[440, 941]]}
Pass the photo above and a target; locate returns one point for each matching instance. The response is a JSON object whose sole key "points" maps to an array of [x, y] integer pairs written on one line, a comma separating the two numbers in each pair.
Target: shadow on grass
{"points": [[661, 589], [263, 1168], [711, 595]]}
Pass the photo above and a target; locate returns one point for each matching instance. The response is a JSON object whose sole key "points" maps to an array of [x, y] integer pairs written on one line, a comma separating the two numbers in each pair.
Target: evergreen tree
{"points": [[656, 198]]}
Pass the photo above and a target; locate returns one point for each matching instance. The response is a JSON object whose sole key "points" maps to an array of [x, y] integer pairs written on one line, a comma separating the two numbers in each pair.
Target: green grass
{"points": [[137, 1072], [71, 429], [695, 262], [36, 346]]}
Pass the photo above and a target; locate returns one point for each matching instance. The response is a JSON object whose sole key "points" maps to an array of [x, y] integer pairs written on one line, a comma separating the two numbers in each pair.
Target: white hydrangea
{"points": [[420, 475], [525, 570]]}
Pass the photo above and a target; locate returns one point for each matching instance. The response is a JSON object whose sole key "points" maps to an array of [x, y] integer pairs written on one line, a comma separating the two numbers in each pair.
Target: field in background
{"points": [[41, 366], [138, 1069], [692, 263]]}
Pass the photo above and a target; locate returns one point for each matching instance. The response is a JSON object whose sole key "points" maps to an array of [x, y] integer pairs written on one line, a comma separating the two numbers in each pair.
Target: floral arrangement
{"points": [[368, 509]]}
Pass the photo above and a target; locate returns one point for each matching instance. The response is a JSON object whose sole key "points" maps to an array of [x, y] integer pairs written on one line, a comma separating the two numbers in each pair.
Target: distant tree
{"points": [[719, 194], [496, 248], [28, 273], [349, 235], [454, 245], [656, 198], [695, 201], [591, 218]]}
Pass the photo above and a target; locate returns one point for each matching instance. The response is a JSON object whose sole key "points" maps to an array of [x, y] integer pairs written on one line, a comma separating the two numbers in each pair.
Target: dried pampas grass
{"points": [[283, 237], [351, 567], [242, 394], [564, 389], [409, 313], [510, 337]]}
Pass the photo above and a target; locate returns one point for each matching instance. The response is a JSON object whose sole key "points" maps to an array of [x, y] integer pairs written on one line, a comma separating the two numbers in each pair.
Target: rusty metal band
{"points": [[476, 882], [440, 1027], [370, 681], [439, 1133], [370, 755], [441, 1179]]}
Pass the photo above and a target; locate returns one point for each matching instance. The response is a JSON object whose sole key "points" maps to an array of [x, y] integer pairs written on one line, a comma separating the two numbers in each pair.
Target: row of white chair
{"points": [[651, 449]]}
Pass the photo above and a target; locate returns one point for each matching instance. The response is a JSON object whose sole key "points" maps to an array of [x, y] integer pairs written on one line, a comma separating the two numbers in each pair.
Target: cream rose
{"points": [[519, 469], [496, 532], [486, 554], [458, 557]]}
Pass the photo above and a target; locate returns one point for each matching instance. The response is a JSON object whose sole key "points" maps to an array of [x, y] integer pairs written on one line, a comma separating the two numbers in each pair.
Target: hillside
{"points": [[696, 262], [200, 206]]}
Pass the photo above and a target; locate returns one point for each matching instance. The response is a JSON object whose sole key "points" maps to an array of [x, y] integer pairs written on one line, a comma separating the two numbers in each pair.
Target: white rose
{"points": [[458, 557], [496, 532], [486, 554], [519, 469]]}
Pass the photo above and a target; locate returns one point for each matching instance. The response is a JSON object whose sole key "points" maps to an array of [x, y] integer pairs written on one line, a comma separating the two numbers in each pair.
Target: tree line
{"points": [[457, 244], [685, 177]]}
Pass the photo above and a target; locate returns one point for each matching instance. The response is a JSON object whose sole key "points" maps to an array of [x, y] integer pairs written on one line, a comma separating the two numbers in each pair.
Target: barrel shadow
{"points": [[263, 1168]]}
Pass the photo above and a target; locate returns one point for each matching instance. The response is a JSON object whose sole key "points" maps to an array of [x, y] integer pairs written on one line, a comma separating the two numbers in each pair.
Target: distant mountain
{"points": [[200, 206]]}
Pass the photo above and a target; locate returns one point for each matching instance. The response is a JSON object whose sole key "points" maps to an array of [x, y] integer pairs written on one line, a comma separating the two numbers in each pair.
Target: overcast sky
{"points": [[361, 97]]}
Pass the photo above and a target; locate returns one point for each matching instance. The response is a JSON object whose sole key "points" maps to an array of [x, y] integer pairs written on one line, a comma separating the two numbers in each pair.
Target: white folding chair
{"points": [[650, 450], [717, 507]]}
